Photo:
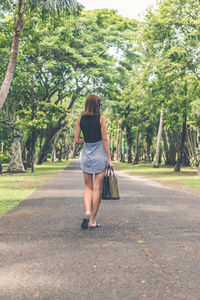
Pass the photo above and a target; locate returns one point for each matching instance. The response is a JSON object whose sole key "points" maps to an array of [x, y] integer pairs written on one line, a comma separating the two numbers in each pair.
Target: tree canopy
{"points": [[138, 68]]}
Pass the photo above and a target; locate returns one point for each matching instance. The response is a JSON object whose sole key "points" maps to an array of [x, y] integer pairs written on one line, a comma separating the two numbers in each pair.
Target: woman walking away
{"points": [[95, 156]]}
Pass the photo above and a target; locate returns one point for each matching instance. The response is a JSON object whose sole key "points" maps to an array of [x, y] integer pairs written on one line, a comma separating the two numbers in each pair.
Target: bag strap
{"points": [[110, 170], [113, 171]]}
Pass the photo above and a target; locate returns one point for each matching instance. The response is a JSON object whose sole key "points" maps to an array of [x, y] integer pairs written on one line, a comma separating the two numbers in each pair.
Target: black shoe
{"points": [[85, 222]]}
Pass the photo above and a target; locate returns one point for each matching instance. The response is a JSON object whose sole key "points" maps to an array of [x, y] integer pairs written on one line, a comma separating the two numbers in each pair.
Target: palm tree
{"points": [[18, 9]]}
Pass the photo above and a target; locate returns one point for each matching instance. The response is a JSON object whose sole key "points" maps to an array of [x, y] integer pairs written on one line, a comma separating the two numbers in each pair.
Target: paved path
{"points": [[148, 246]]}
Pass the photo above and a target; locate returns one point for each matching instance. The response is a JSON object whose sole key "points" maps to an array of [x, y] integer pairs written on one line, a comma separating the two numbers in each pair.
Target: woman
{"points": [[95, 156]]}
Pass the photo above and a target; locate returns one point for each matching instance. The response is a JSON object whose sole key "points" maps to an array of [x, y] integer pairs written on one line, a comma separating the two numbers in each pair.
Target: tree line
{"points": [[147, 74]]}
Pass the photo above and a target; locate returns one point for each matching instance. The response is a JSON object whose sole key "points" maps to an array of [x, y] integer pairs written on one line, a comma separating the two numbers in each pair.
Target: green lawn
{"points": [[187, 176], [16, 187]]}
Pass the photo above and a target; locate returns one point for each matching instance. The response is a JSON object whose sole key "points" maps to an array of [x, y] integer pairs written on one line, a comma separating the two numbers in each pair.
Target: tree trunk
{"points": [[148, 154], [166, 148], [28, 153], [130, 142], [50, 133], [118, 141], [1, 169], [159, 138], [53, 154], [66, 149], [34, 134], [121, 146], [60, 151], [149, 136], [66, 152], [41, 139], [190, 156], [16, 165], [30, 146], [136, 158], [172, 138], [18, 26], [124, 148], [195, 143], [182, 144], [198, 156], [33, 142], [111, 144]]}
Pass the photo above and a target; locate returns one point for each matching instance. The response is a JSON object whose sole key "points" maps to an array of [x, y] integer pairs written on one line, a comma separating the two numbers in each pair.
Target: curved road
{"points": [[148, 245]]}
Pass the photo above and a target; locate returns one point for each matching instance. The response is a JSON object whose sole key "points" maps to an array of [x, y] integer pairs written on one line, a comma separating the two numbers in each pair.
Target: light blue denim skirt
{"points": [[93, 157]]}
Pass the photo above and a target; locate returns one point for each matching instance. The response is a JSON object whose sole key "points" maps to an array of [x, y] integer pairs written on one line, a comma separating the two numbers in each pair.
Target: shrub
{"points": [[5, 157]]}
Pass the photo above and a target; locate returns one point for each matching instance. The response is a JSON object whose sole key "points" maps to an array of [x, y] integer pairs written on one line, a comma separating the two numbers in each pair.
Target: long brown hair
{"points": [[92, 105]]}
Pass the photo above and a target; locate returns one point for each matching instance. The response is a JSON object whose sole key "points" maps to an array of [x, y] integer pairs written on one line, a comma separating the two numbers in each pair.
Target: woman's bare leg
{"points": [[88, 179], [97, 187]]}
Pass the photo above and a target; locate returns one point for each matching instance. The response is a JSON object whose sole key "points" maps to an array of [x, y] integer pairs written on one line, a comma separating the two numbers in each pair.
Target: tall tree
{"points": [[18, 9], [160, 129]]}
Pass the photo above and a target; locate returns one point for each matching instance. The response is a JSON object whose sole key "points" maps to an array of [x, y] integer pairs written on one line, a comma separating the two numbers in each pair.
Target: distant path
{"points": [[148, 246]]}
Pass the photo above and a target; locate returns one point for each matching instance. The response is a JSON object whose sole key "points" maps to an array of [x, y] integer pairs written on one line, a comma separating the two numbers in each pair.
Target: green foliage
{"points": [[135, 67], [55, 7], [61, 58], [5, 157]]}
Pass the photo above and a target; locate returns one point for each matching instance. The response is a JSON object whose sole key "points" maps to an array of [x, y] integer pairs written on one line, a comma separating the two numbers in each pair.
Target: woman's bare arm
{"points": [[77, 139], [105, 140]]}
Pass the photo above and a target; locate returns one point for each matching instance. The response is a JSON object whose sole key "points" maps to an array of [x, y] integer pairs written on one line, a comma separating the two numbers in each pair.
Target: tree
{"points": [[182, 144], [160, 129], [16, 164], [19, 9], [171, 47], [90, 64], [60, 62]]}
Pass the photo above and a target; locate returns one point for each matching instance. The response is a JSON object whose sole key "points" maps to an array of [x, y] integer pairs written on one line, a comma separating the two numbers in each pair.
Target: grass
{"points": [[187, 176], [16, 187]]}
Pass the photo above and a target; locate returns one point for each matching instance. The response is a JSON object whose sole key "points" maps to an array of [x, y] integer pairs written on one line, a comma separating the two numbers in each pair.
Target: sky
{"points": [[127, 8]]}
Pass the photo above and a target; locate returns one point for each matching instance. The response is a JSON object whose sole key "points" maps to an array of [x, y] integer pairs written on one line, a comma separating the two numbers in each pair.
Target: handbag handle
{"points": [[110, 170]]}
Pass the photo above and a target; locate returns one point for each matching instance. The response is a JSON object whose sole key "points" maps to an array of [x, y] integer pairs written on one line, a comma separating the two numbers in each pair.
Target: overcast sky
{"points": [[127, 8]]}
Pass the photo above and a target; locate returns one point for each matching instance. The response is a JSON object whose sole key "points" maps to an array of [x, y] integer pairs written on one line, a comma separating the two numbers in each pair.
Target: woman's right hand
{"points": [[110, 163]]}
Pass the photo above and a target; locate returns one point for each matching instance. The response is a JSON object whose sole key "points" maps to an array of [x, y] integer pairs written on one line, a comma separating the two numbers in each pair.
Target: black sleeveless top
{"points": [[91, 128]]}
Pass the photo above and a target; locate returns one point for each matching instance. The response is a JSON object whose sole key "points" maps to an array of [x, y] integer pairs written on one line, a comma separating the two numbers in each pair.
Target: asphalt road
{"points": [[148, 245]]}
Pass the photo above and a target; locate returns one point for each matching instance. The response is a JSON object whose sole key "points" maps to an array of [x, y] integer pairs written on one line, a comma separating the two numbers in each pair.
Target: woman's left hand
{"points": [[110, 164]]}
